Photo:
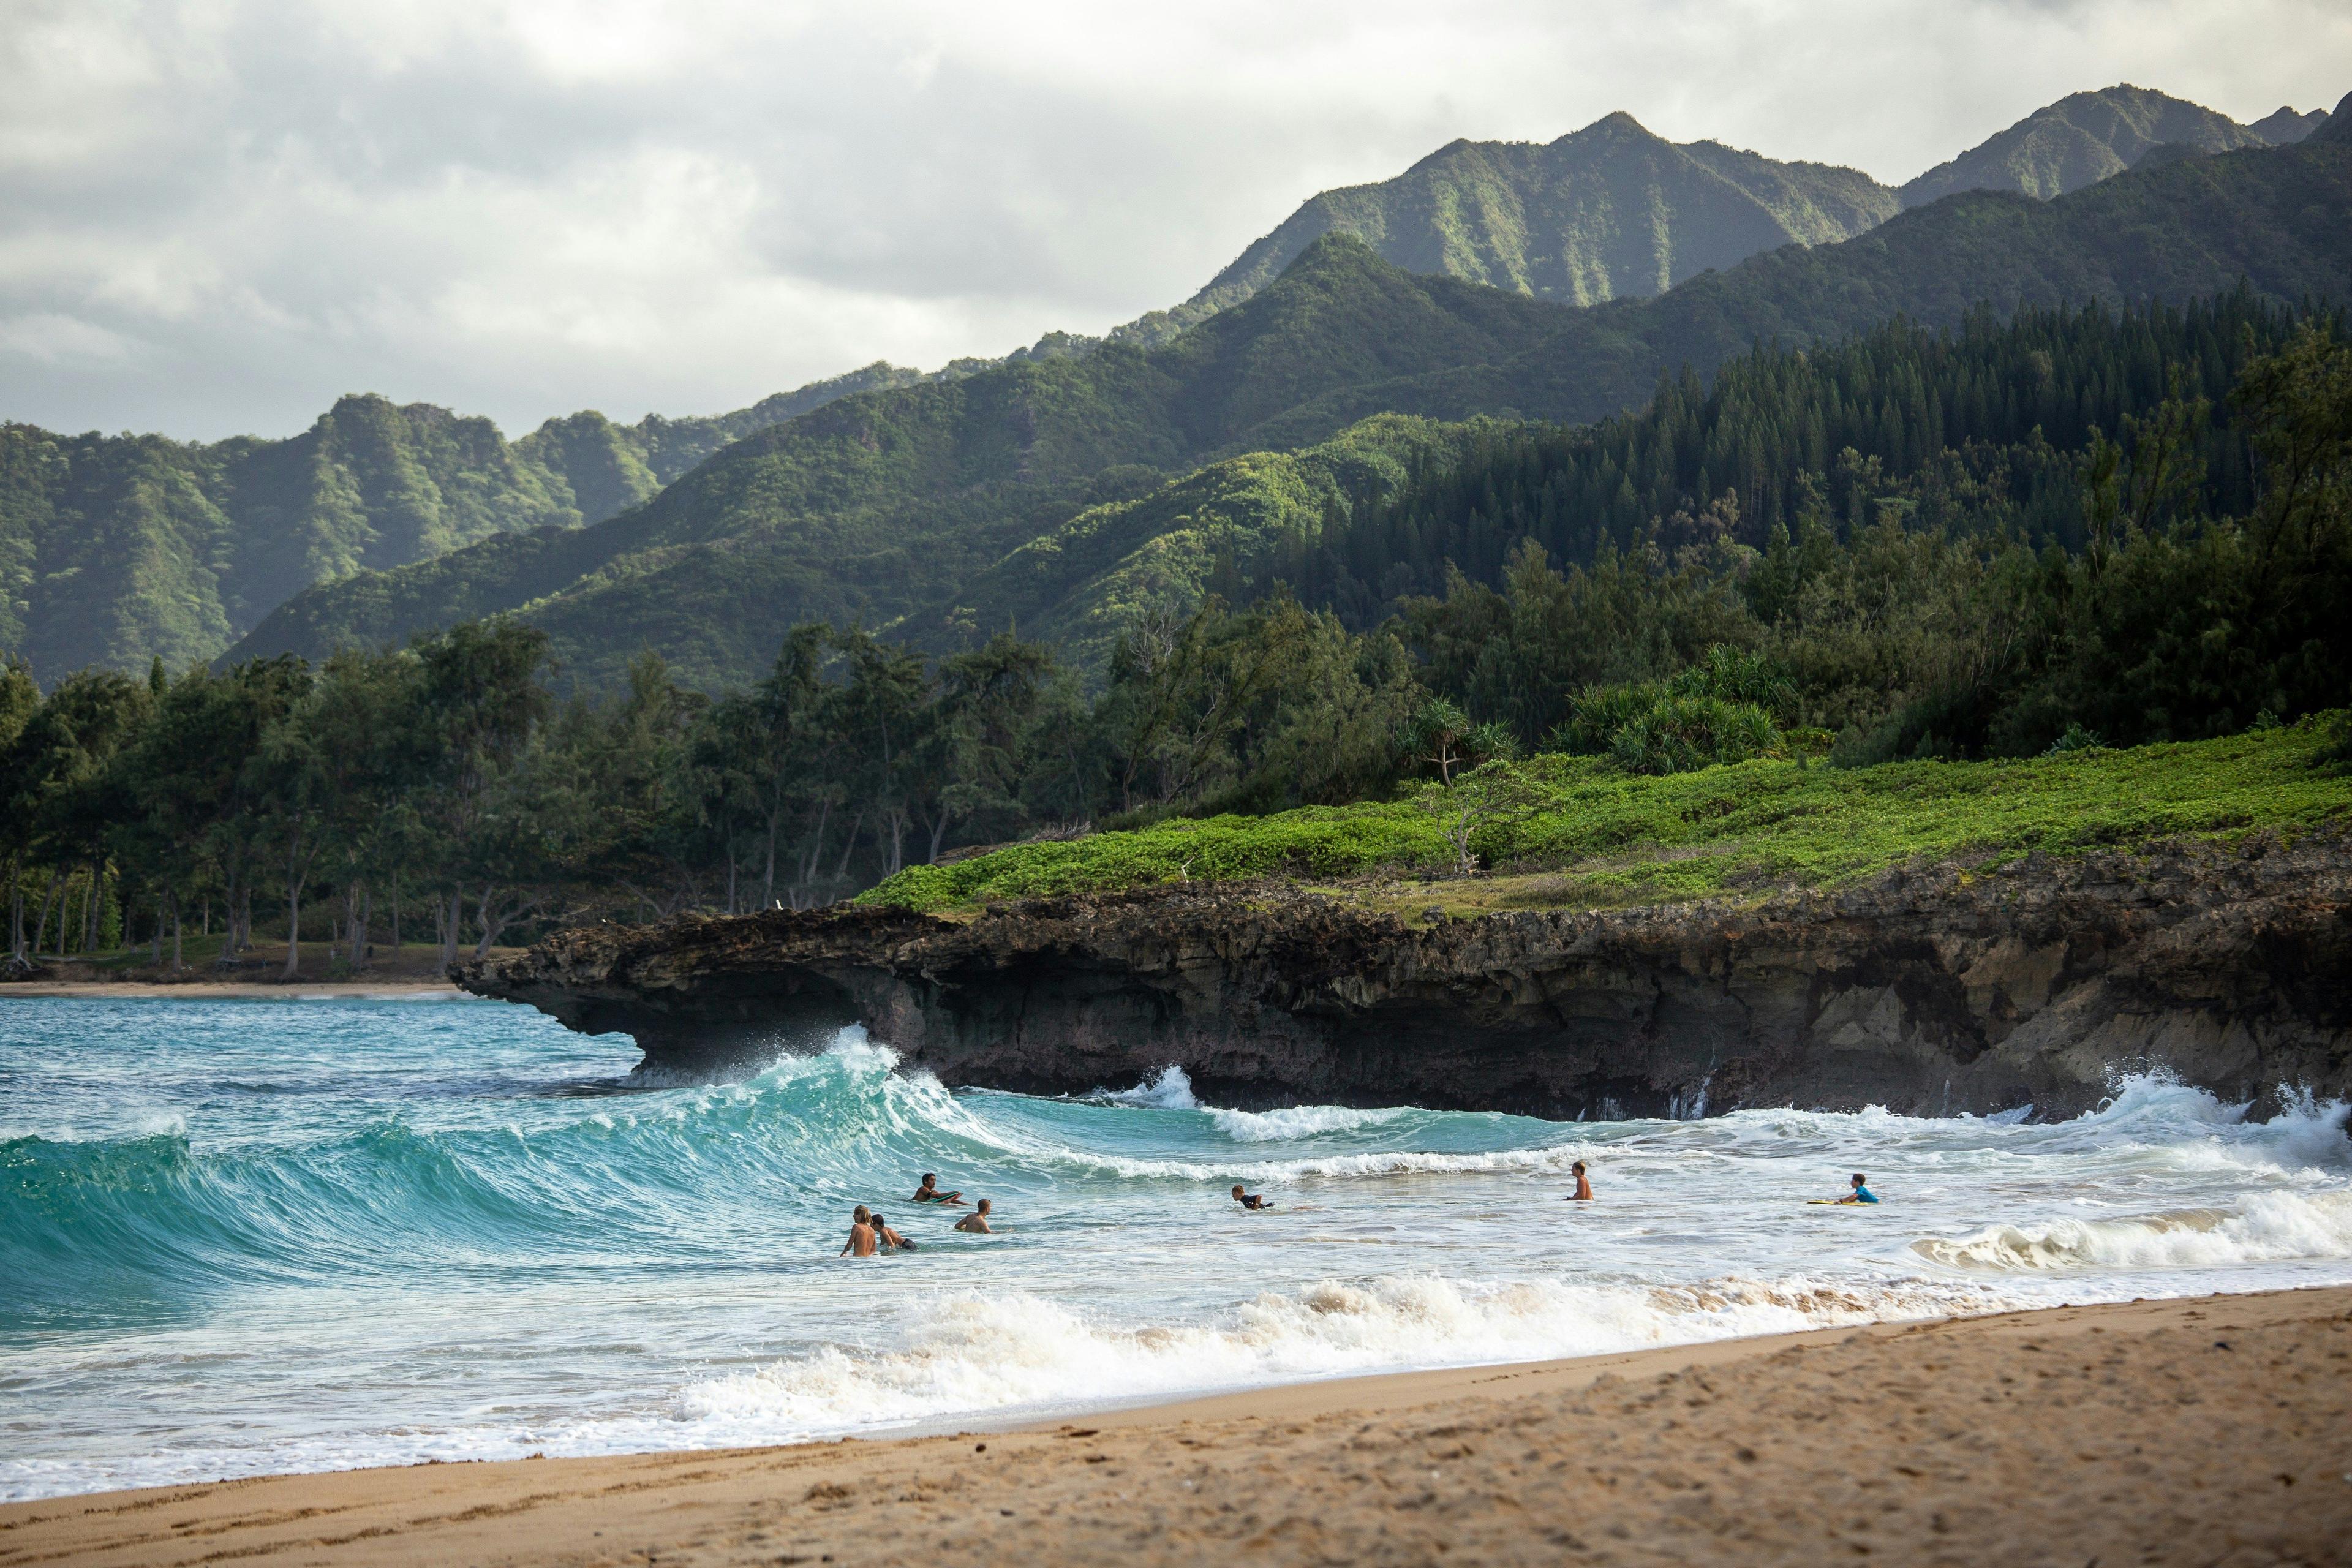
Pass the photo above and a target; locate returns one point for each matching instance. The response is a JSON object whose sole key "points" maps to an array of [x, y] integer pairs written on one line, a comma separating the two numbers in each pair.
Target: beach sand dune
{"points": [[2209, 1431]]}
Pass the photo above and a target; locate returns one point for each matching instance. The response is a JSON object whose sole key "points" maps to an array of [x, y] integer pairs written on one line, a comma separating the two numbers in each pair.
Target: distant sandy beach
{"points": [[211, 990], [2206, 1430]]}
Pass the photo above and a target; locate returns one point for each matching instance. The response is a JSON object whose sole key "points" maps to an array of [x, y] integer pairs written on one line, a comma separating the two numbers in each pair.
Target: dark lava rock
{"points": [[1927, 991]]}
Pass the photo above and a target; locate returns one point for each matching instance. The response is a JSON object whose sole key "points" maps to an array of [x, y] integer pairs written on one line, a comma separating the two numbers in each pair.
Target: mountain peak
{"points": [[2079, 140], [2337, 128]]}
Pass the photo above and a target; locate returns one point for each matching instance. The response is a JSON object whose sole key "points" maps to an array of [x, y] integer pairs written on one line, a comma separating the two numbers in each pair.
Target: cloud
{"points": [[216, 215]]}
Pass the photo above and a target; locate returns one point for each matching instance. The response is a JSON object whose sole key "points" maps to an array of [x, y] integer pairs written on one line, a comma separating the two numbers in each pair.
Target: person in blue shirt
{"points": [[1862, 1192]]}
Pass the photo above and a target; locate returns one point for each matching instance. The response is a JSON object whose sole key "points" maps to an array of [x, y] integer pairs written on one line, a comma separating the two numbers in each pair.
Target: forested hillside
{"points": [[2084, 138], [887, 501], [2076, 529], [114, 548], [1604, 211], [911, 509]]}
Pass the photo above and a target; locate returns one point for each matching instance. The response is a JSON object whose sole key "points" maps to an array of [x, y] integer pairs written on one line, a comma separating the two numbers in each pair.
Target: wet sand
{"points": [[2203, 1431]]}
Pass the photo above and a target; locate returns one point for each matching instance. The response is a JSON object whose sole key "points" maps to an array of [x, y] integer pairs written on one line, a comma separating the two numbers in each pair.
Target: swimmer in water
{"points": [[976, 1222], [890, 1239], [1862, 1192], [1583, 1186], [1249, 1200], [861, 1242], [928, 1193]]}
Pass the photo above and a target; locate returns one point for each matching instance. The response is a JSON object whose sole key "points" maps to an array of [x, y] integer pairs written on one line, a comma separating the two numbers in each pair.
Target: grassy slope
{"points": [[1608, 839]]}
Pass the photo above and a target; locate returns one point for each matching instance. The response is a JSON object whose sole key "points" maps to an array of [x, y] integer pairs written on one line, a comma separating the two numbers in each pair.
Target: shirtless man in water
{"points": [[928, 1193], [1583, 1186], [890, 1239], [976, 1222], [861, 1240], [1249, 1200]]}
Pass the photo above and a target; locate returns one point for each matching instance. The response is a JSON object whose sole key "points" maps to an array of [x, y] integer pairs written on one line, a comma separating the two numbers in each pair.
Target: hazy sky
{"points": [[217, 215]]}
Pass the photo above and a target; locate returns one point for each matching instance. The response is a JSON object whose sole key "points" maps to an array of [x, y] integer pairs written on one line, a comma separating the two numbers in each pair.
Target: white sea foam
{"points": [[1302, 1121], [2271, 1227], [970, 1353]]}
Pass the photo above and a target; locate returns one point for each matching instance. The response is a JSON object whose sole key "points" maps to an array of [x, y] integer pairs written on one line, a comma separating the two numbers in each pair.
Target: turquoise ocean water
{"points": [[245, 1237]]}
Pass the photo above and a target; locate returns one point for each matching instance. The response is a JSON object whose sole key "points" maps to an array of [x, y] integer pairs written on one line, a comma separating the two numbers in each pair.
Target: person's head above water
{"points": [[1237, 1189], [1859, 1179], [985, 1206], [1577, 1168], [861, 1215]]}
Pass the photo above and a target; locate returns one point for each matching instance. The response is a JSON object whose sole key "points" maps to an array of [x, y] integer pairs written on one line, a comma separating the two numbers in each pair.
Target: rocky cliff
{"points": [[1934, 991]]}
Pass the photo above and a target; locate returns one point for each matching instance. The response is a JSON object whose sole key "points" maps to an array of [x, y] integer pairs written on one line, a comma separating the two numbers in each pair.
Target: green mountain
{"points": [[2336, 131], [889, 501], [1060, 495], [2286, 125], [1604, 211], [116, 548], [2079, 140]]}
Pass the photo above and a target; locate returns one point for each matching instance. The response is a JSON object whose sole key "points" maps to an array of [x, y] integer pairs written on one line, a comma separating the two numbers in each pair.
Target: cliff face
{"points": [[1936, 991]]}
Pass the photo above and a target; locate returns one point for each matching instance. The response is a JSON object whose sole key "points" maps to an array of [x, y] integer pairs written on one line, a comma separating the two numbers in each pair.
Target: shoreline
{"points": [[228, 990], [2186, 1429]]}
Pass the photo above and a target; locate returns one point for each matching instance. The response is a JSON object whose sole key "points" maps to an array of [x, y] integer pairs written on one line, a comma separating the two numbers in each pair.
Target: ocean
{"points": [[244, 1237]]}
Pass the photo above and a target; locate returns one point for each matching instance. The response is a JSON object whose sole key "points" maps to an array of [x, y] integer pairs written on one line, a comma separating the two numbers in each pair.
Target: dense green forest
{"points": [[2122, 529], [925, 511]]}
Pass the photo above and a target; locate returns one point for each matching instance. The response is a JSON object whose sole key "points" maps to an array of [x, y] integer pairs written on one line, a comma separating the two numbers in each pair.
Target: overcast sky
{"points": [[217, 215]]}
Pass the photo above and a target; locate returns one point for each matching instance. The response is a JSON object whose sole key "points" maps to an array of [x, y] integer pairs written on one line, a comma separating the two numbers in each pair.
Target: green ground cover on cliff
{"points": [[1589, 835]]}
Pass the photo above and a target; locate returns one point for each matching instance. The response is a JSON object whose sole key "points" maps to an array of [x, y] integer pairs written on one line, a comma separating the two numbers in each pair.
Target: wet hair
{"points": [[879, 1222], [983, 1205], [860, 1214], [929, 1176], [1859, 1178], [1237, 1187], [1578, 1166]]}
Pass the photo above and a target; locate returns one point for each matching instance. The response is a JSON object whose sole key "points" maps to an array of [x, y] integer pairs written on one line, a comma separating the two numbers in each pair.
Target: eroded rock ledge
{"points": [[1930, 992]]}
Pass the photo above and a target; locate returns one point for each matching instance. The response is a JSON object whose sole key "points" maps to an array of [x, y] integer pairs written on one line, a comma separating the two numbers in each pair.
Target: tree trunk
{"points": [[768, 883], [294, 880], [395, 912], [175, 926], [159, 932], [848, 848], [361, 951], [90, 905], [730, 876], [41, 933]]}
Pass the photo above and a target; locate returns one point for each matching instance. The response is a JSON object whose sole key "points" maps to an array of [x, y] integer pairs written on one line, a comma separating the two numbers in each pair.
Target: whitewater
{"points": [[239, 1237]]}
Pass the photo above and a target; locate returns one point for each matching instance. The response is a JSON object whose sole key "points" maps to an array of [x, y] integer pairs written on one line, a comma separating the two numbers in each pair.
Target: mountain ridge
{"points": [[2187, 229]]}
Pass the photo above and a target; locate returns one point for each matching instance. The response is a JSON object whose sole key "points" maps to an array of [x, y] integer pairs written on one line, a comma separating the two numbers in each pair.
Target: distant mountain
{"points": [[2079, 140], [1063, 495], [891, 501], [2336, 131], [116, 548], [2284, 126], [1602, 213]]}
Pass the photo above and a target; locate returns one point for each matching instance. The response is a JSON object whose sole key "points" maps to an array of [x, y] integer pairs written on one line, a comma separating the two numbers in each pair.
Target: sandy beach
{"points": [[226, 990], [2211, 1430]]}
